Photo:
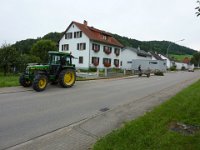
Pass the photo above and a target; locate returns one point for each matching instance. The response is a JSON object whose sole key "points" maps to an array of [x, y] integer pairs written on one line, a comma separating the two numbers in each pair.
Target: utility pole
{"points": [[171, 44]]}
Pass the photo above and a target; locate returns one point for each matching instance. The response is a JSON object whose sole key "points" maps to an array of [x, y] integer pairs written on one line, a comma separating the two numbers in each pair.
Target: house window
{"points": [[78, 34], [153, 62], [107, 49], [117, 51], [95, 61], [121, 63], [105, 37], [107, 62], [68, 35], [65, 47], [81, 46], [80, 60], [95, 47], [129, 62], [116, 62]]}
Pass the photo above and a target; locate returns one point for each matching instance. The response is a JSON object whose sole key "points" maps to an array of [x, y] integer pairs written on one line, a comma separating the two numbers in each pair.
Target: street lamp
{"points": [[171, 44]]}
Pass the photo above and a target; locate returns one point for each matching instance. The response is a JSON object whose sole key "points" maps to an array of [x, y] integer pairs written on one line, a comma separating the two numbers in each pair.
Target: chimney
{"points": [[85, 22]]}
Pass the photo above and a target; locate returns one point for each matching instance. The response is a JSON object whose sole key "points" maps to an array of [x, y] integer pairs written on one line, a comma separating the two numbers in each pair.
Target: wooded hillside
{"points": [[24, 46]]}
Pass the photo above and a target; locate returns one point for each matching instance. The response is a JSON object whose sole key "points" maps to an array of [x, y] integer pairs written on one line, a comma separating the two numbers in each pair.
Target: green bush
{"points": [[173, 68], [159, 73], [183, 68], [117, 70], [92, 69]]}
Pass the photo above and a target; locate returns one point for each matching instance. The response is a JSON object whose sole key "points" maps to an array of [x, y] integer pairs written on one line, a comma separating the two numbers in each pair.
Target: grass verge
{"points": [[152, 131], [180, 57], [9, 80]]}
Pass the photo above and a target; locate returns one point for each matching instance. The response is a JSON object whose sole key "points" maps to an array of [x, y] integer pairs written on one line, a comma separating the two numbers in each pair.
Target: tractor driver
{"points": [[63, 61]]}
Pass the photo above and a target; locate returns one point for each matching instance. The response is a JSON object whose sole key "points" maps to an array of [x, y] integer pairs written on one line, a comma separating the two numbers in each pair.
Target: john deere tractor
{"points": [[59, 70]]}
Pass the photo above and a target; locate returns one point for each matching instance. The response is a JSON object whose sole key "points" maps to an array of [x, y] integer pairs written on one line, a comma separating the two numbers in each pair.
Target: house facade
{"points": [[168, 61], [129, 54], [91, 47]]}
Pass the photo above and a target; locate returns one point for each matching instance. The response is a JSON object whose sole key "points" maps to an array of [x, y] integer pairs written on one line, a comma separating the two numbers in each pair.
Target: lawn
{"points": [[180, 57], [13, 80], [173, 125], [9, 80]]}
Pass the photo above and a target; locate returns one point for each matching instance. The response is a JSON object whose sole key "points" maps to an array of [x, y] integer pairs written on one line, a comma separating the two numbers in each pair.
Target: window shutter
{"points": [[77, 46]]}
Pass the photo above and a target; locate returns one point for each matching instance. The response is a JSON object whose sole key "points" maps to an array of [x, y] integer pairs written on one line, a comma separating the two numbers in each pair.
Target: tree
{"points": [[196, 59], [9, 57], [41, 48], [27, 58], [24, 46], [198, 9], [54, 36]]}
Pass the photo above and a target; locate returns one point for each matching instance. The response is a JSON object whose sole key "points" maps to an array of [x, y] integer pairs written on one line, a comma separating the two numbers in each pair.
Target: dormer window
{"points": [[105, 37]]}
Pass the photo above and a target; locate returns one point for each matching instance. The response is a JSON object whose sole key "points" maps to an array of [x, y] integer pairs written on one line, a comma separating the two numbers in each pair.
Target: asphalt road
{"points": [[28, 114]]}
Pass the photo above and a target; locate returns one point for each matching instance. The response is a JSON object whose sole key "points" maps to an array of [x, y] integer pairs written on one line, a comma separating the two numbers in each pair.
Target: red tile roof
{"points": [[96, 34]]}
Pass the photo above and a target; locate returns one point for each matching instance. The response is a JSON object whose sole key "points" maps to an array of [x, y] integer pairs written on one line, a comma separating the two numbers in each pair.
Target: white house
{"points": [[168, 61], [129, 54], [92, 47]]}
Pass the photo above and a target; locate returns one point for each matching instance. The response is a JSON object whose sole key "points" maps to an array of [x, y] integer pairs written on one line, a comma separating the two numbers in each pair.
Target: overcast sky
{"points": [[144, 20]]}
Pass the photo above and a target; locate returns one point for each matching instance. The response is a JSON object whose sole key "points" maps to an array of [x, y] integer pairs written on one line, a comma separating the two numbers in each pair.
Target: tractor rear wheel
{"points": [[24, 82], [40, 82], [67, 78]]}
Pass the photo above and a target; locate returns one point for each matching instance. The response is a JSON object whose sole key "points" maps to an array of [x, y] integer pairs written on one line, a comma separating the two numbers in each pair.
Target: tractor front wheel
{"points": [[67, 78], [24, 82], [40, 83]]}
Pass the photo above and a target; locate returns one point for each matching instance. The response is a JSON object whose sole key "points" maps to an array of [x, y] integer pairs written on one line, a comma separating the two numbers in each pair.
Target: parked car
{"points": [[190, 70]]}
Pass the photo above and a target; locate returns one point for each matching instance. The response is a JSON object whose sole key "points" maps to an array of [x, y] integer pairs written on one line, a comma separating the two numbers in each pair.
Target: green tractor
{"points": [[59, 70]]}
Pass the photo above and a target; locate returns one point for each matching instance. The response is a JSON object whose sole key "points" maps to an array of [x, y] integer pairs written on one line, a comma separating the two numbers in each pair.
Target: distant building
{"points": [[129, 54], [92, 47], [169, 63], [155, 56]]}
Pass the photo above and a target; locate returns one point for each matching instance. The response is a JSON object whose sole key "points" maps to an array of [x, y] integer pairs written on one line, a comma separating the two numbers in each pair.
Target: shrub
{"points": [[173, 68], [92, 69], [183, 68], [159, 73]]}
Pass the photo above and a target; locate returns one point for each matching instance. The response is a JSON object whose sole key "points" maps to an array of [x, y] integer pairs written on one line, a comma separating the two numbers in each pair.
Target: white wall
{"points": [[101, 54], [167, 61], [127, 56], [73, 47], [180, 65]]}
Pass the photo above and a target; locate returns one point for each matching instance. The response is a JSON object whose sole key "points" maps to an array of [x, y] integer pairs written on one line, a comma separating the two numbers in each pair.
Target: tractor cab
{"points": [[60, 58], [58, 61]]}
